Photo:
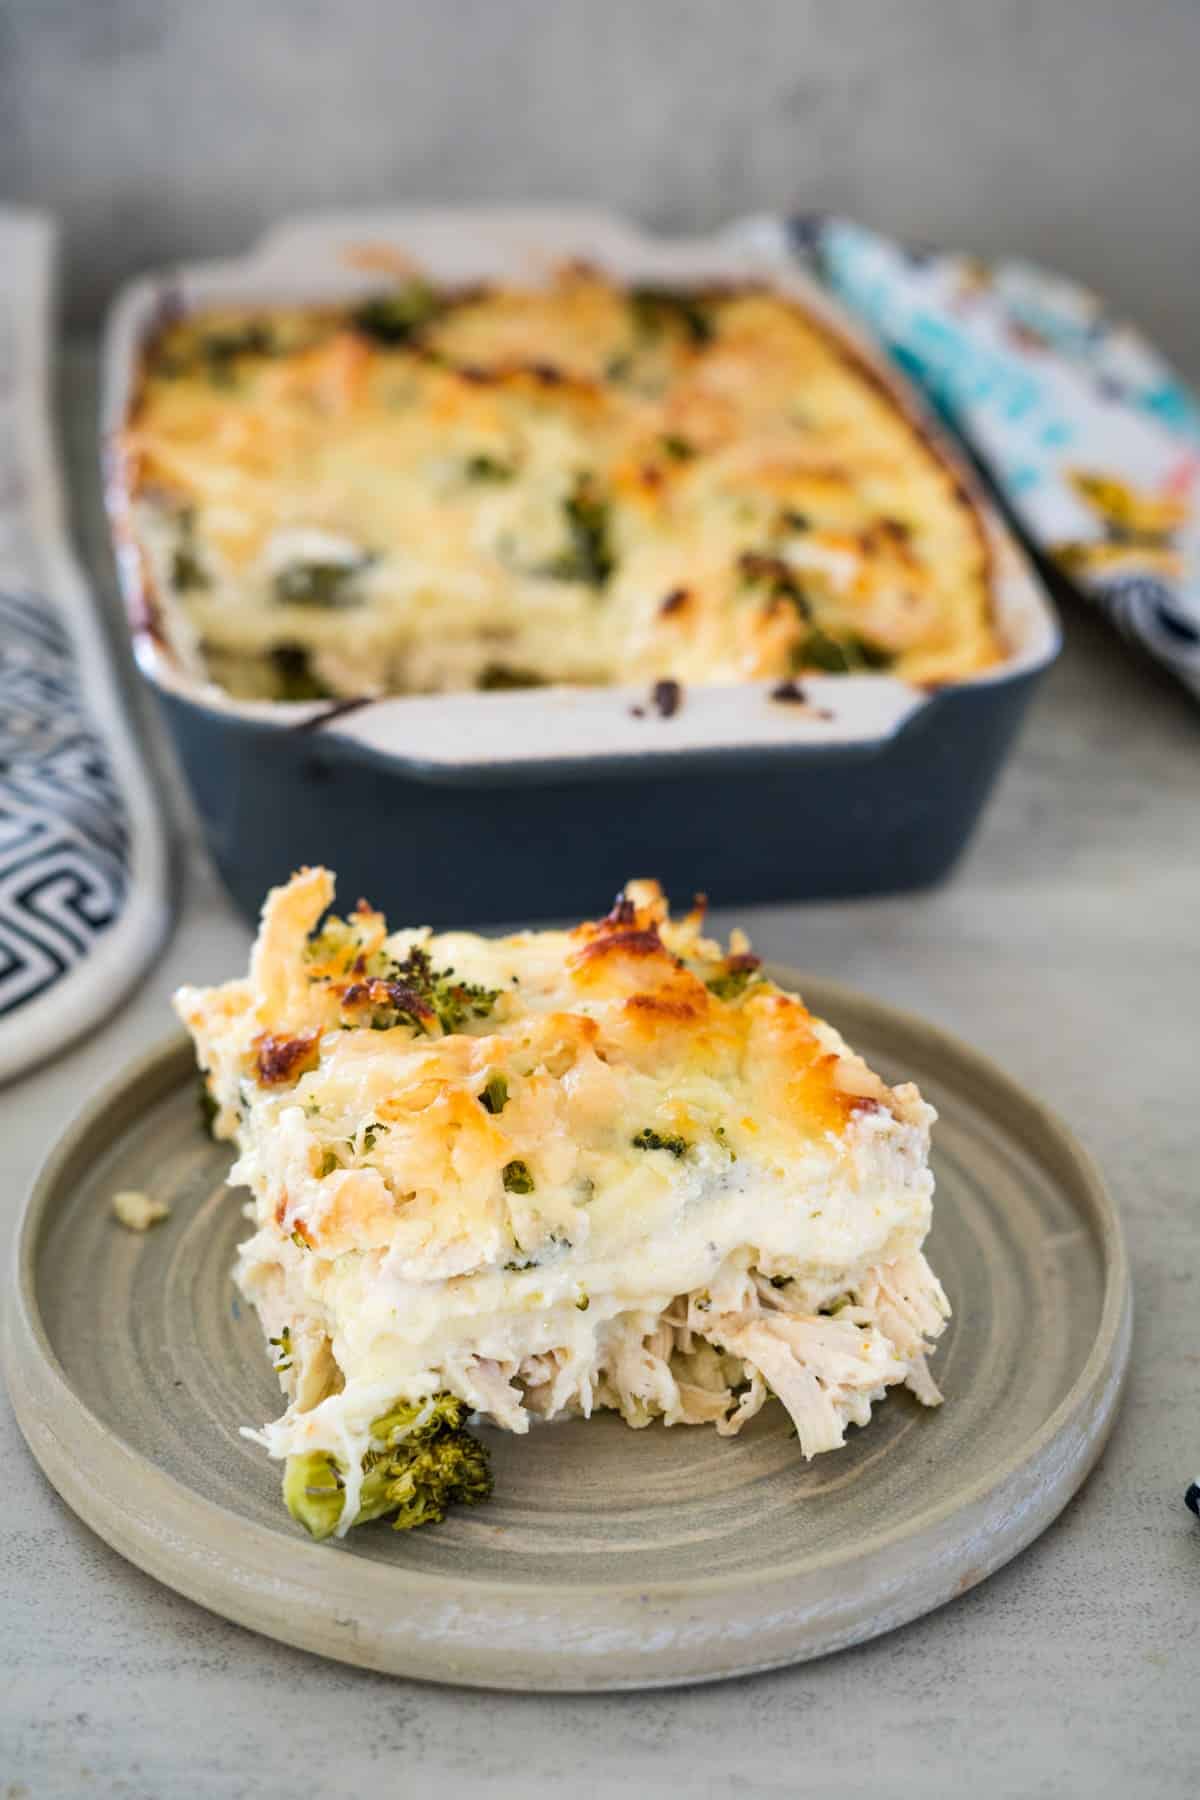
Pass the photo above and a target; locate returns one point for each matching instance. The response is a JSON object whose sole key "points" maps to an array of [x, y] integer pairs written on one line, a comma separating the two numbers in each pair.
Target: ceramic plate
{"points": [[608, 1558]]}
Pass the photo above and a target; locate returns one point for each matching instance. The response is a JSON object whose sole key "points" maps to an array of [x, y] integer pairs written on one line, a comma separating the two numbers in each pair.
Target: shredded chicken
{"points": [[704, 1363], [488, 1387]]}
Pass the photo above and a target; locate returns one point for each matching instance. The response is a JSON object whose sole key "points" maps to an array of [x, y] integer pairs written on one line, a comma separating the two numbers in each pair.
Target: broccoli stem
{"points": [[313, 1492], [424, 1464]]}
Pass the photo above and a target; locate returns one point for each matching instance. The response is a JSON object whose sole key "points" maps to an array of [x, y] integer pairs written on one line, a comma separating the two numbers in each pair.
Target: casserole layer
{"points": [[505, 486]]}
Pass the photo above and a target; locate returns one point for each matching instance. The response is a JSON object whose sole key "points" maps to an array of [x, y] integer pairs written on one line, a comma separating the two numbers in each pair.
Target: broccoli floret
{"points": [[735, 977], [216, 354], [187, 567], [397, 317], [658, 309], [843, 655], [413, 992], [425, 1463], [484, 467], [207, 1105], [326, 585], [220, 351], [589, 556], [660, 1140], [452, 1000], [762, 569], [390, 993], [294, 676], [497, 678], [338, 945], [187, 571], [493, 1096]]}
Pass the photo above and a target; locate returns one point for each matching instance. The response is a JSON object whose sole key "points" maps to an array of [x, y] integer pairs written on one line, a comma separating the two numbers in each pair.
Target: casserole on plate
{"points": [[549, 1174], [704, 493]]}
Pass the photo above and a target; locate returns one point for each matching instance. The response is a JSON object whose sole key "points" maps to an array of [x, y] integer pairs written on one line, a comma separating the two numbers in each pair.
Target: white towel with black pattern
{"points": [[83, 865]]}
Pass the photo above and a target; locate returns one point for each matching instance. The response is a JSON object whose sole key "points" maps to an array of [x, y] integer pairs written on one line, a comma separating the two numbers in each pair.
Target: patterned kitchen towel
{"points": [[83, 863], [1091, 437]]}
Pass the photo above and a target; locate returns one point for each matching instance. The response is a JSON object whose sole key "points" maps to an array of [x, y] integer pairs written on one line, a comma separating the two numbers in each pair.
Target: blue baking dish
{"points": [[462, 808]]}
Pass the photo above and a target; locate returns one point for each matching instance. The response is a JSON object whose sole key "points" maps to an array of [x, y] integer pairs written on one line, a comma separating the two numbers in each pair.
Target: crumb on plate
{"points": [[138, 1211]]}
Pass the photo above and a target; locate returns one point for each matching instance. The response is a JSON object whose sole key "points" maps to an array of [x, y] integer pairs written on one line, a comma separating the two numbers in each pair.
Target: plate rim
{"points": [[229, 1575]]}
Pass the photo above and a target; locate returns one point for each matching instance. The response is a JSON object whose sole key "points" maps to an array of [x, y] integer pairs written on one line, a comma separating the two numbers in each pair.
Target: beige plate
{"points": [[608, 1558]]}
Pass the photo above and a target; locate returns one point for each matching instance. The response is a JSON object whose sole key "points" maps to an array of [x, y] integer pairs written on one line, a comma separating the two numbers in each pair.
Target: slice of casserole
{"points": [[533, 1176]]}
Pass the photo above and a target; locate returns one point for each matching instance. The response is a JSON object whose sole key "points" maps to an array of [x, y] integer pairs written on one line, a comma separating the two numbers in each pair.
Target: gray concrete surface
{"points": [[1066, 947], [1064, 129]]}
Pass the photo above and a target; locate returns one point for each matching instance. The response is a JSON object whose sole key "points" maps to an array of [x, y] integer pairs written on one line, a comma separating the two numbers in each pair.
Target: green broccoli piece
{"points": [[656, 309], [497, 678], [589, 555], [735, 977], [313, 1492], [216, 354], [421, 1462], [187, 571], [516, 1177], [220, 351], [207, 1105], [453, 1001], [329, 585], [843, 655], [294, 677], [397, 317], [493, 1096], [187, 567], [390, 993], [659, 1140], [722, 1138], [339, 943], [759, 568], [485, 467], [418, 991]]}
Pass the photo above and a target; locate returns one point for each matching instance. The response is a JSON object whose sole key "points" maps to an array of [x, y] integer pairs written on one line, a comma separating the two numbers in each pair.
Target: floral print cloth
{"points": [[1087, 433]]}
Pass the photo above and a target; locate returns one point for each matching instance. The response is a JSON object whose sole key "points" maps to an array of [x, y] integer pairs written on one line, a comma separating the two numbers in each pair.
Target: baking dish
{"points": [[486, 806]]}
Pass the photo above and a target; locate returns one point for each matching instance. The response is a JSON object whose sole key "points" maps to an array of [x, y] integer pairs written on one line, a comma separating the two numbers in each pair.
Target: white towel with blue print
{"points": [[83, 865], [1091, 438]]}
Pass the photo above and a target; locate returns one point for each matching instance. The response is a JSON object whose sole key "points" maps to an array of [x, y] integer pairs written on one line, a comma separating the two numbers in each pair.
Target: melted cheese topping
{"points": [[607, 1166], [506, 487]]}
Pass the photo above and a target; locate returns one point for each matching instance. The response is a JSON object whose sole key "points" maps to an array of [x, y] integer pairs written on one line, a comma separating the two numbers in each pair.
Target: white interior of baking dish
{"points": [[320, 258]]}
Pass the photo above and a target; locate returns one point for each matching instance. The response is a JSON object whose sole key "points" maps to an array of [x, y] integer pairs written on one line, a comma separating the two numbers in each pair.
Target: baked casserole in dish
{"points": [[586, 481], [414, 511]]}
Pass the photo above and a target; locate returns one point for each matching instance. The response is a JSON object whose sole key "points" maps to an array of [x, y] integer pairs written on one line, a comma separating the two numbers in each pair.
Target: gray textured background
{"points": [[1066, 129]]}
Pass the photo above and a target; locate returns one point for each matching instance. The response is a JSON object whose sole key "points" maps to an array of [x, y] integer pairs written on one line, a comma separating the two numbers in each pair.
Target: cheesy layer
{"points": [[577, 483], [613, 1166]]}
